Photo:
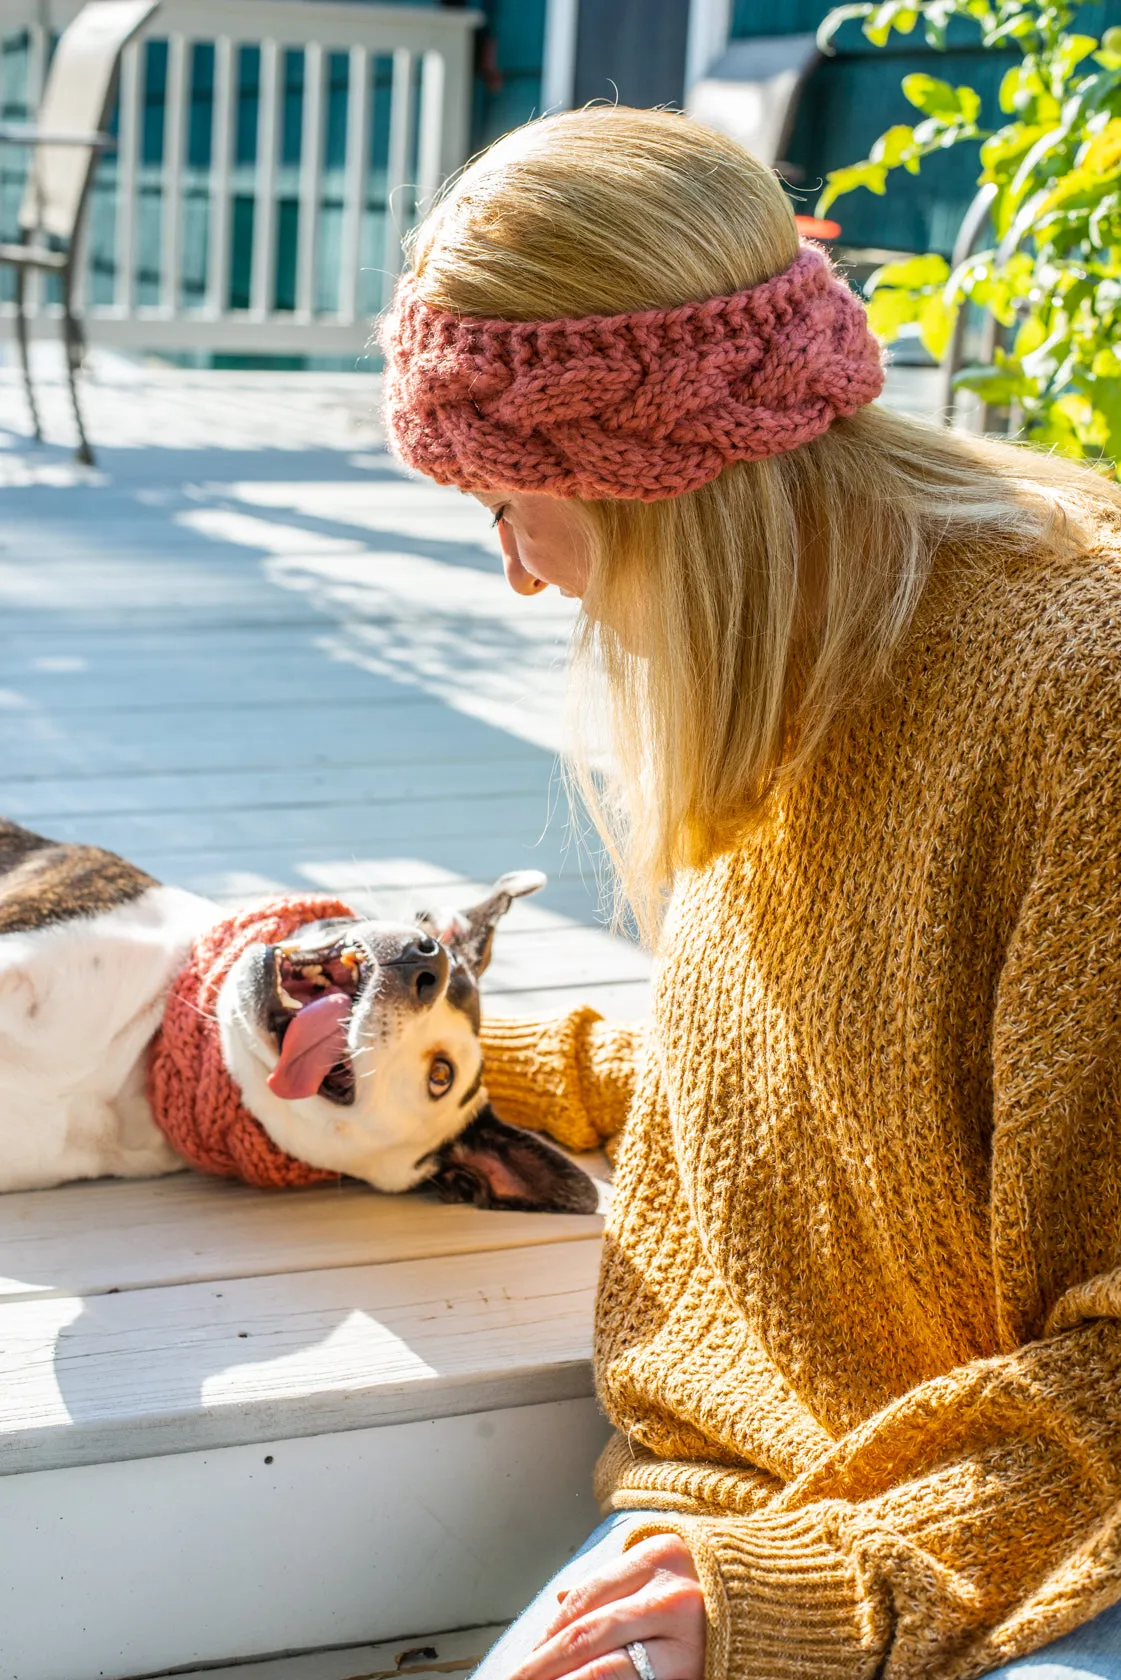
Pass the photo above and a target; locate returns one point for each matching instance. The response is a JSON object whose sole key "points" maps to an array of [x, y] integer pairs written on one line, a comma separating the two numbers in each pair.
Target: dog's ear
{"points": [[495, 1165], [470, 933]]}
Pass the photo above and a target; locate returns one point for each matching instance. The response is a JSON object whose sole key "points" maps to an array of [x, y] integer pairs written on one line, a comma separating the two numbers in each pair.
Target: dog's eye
{"points": [[441, 1077]]}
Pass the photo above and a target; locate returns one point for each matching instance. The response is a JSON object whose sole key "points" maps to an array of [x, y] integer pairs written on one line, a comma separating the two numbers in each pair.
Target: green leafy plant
{"points": [[1052, 273]]}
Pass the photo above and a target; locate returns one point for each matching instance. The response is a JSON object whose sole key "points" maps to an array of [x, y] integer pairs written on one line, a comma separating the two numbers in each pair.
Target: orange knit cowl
{"points": [[194, 1101]]}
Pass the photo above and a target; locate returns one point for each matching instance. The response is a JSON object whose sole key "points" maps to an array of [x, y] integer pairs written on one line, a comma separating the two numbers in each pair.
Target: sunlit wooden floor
{"points": [[251, 655]]}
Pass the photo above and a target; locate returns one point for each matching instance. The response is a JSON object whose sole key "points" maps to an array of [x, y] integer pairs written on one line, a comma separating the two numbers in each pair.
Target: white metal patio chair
{"points": [[65, 142]]}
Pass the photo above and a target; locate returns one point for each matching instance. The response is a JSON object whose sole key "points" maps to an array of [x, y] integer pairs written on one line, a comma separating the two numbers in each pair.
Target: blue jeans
{"points": [[1091, 1652]]}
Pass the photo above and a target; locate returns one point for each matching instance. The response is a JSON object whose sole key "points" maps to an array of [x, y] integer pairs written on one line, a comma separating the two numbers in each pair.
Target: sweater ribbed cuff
{"points": [[782, 1601], [524, 1076], [558, 1074]]}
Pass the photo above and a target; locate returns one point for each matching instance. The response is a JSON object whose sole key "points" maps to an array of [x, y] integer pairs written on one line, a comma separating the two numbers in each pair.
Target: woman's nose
{"points": [[520, 581]]}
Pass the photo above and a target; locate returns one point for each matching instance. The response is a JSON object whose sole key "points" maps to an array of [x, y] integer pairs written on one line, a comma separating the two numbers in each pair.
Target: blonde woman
{"points": [[859, 1323]]}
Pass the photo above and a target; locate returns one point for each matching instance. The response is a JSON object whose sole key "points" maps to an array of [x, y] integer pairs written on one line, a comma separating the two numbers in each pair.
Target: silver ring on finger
{"points": [[640, 1657]]}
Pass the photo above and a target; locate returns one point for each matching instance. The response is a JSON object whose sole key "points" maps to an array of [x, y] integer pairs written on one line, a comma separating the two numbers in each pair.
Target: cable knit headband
{"points": [[640, 406]]}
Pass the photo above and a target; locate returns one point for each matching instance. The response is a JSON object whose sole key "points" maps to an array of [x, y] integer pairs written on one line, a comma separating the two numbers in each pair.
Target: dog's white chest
{"points": [[79, 1003]]}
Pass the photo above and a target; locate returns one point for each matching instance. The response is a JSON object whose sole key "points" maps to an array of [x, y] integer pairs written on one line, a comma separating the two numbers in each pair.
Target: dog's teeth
{"points": [[286, 999]]}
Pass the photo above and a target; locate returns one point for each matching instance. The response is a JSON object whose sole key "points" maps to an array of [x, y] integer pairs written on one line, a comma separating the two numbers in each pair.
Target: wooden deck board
{"points": [[194, 1367], [107, 1237]]}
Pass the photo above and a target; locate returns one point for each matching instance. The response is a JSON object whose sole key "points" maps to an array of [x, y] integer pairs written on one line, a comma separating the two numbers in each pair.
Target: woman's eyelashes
{"points": [[500, 514]]}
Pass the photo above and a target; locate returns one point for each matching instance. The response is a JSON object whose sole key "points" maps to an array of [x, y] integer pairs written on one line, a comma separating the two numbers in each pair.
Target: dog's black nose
{"points": [[423, 965]]}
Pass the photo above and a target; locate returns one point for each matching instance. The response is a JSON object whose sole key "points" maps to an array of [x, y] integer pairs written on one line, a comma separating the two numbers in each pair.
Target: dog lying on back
{"points": [[353, 1042]]}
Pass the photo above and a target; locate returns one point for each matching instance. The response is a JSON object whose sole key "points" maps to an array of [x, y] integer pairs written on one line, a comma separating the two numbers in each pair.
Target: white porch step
{"points": [[99, 1379], [424, 1657], [236, 1423]]}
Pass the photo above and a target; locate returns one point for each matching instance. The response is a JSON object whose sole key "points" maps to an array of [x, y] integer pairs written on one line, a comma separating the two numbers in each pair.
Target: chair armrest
{"points": [[26, 134]]}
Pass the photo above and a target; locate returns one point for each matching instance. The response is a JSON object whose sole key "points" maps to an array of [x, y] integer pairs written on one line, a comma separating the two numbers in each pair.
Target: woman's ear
{"points": [[469, 934], [493, 1165]]}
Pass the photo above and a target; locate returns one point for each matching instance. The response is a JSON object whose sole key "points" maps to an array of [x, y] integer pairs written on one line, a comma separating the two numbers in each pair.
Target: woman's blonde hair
{"points": [[736, 624]]}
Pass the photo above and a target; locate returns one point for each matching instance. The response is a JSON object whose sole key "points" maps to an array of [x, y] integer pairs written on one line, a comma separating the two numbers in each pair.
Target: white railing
{"points": [[270, 154]]}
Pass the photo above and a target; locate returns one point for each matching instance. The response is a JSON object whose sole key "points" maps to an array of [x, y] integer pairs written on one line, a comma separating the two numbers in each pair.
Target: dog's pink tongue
{"points": [[313, 1042]]}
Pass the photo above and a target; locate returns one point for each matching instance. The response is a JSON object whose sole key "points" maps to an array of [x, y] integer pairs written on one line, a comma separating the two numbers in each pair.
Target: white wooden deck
{"points": [[249, 654]]}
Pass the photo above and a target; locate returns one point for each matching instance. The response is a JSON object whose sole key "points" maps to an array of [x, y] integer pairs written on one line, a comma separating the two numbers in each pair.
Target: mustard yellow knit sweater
{"points": [[859, 1321]]}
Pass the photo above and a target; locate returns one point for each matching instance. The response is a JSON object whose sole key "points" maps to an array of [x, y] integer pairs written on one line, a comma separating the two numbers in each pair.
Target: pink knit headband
{"points": [[640, 406]]}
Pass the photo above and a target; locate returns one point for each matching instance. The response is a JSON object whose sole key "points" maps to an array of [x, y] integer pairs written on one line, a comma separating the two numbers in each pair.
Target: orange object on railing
{"points": [[816, 227]]}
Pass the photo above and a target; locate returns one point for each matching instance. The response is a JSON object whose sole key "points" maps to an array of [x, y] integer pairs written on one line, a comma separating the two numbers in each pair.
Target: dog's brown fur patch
{"points": [[49, 881]]}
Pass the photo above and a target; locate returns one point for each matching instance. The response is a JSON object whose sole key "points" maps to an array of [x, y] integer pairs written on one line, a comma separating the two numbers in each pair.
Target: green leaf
{"points": [[1047, 148], [838, 16], [1024, 92], [1002, 151], [996, 385], [913, 272], [1106, 365], [894, 147], [1105, 221], [1043, 362], [1026, 217], [1030, 336], [1107, 415], [1009, 88], [936, 324], [1110, 55], [891, 309], [1073, 50], [1102, 152], [1080, 188], [1090, 423], [838, 181], [1017, 28], [1051, 429], [893, 14], [933, 97], [969, 104]]}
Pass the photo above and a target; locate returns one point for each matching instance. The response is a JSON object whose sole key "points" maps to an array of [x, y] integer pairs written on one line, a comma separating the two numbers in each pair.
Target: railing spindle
{"points": [[37, 44], [171, 184], [430, 141], [311, 158], [243, 215], [128, 143], [354, 182], [221, 148], [263, 277], [400, 133]]}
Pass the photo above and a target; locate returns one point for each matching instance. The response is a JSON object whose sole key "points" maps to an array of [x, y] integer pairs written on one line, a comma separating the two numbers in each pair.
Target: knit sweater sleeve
{"points": [[979, 1516], [572, 1075]]}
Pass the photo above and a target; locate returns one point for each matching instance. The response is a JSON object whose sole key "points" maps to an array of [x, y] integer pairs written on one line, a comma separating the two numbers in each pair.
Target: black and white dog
{"points": [[354, 1044]]}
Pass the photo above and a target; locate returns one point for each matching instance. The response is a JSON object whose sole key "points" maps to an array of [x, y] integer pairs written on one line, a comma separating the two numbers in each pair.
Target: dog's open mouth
{"points": [[313, 994]]}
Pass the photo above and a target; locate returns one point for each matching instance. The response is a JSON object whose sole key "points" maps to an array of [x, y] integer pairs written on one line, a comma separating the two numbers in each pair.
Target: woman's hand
{"points": [[651, 1594]]}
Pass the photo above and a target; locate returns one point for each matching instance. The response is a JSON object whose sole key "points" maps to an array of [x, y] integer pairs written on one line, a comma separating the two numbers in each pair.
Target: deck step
{"points": [[185, 1314], [236, 1422], [422, 1657]]}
